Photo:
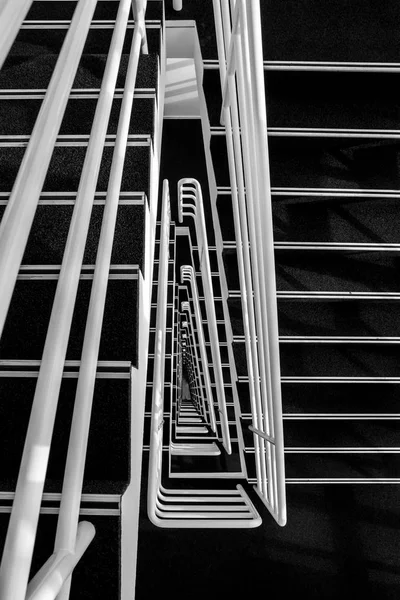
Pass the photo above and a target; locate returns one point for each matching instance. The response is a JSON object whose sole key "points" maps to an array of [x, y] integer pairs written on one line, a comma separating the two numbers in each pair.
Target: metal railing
{"points": [[188, 276], [190, 204], [238, 32], [71, 539], [180, 508], [195, 363], [201, 366]]}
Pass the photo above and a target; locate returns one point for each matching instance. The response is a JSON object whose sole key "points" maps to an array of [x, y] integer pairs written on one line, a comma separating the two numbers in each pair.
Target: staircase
{"points": [[330, 74], [109, 474]]}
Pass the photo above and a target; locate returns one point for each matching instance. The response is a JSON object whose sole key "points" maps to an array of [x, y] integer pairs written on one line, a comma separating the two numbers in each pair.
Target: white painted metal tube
{"points": [[12, 15], [191, 188], [51, 578], [139, 12], [177, 4], [24, 517], [157, 410], [248, 272], [75, 465], [19, 214], [255, 263], [265, 205], [237, 189]]}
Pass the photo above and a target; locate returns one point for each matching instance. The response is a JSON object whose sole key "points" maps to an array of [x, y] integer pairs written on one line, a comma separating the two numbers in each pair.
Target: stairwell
{"points": [[333, 144]]}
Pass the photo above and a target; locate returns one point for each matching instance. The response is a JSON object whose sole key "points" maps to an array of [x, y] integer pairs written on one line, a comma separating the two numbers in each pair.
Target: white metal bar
{"points": [[24, 517], [19, 214], [12, 15], [237, 189], [76, 458], [339, 295], [316, 339], [337, 246]]}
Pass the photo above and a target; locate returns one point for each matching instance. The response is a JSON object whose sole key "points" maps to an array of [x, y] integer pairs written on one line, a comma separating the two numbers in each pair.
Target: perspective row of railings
{"points": [[185, 508], [238, 32], [190, 204], [54, 579]]}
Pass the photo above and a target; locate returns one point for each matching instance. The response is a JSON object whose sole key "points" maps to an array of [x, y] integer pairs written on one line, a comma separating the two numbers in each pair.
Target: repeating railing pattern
{"points": [[238, 30], [190, 204], [71, 539], [184, 508]]}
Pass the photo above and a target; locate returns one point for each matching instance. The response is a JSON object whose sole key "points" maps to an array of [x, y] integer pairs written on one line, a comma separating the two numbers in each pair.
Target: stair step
{"points": [[303, 436], [361, 467], [107, 466], [98, 572], [33, 41], [50, 228], [33, 298], [311, 31], [322, 162], [183, 466], [34, 72], [335, 360], [18, 116], [194, 449], [320, 219], [319, 100], [339, 398], [329, 319], [105, 10], [66, 166]]}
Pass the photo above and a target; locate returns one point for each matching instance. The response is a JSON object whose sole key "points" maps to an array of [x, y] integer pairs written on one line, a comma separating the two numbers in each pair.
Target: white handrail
{"points": [[244, 115], [190, 189], [185, 306], [12, 15], [20, 539], [157, 417]]}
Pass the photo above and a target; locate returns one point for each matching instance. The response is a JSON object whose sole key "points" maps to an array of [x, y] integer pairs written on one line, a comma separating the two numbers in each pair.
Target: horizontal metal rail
{"points": [[321, 66], [324, 132]]}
